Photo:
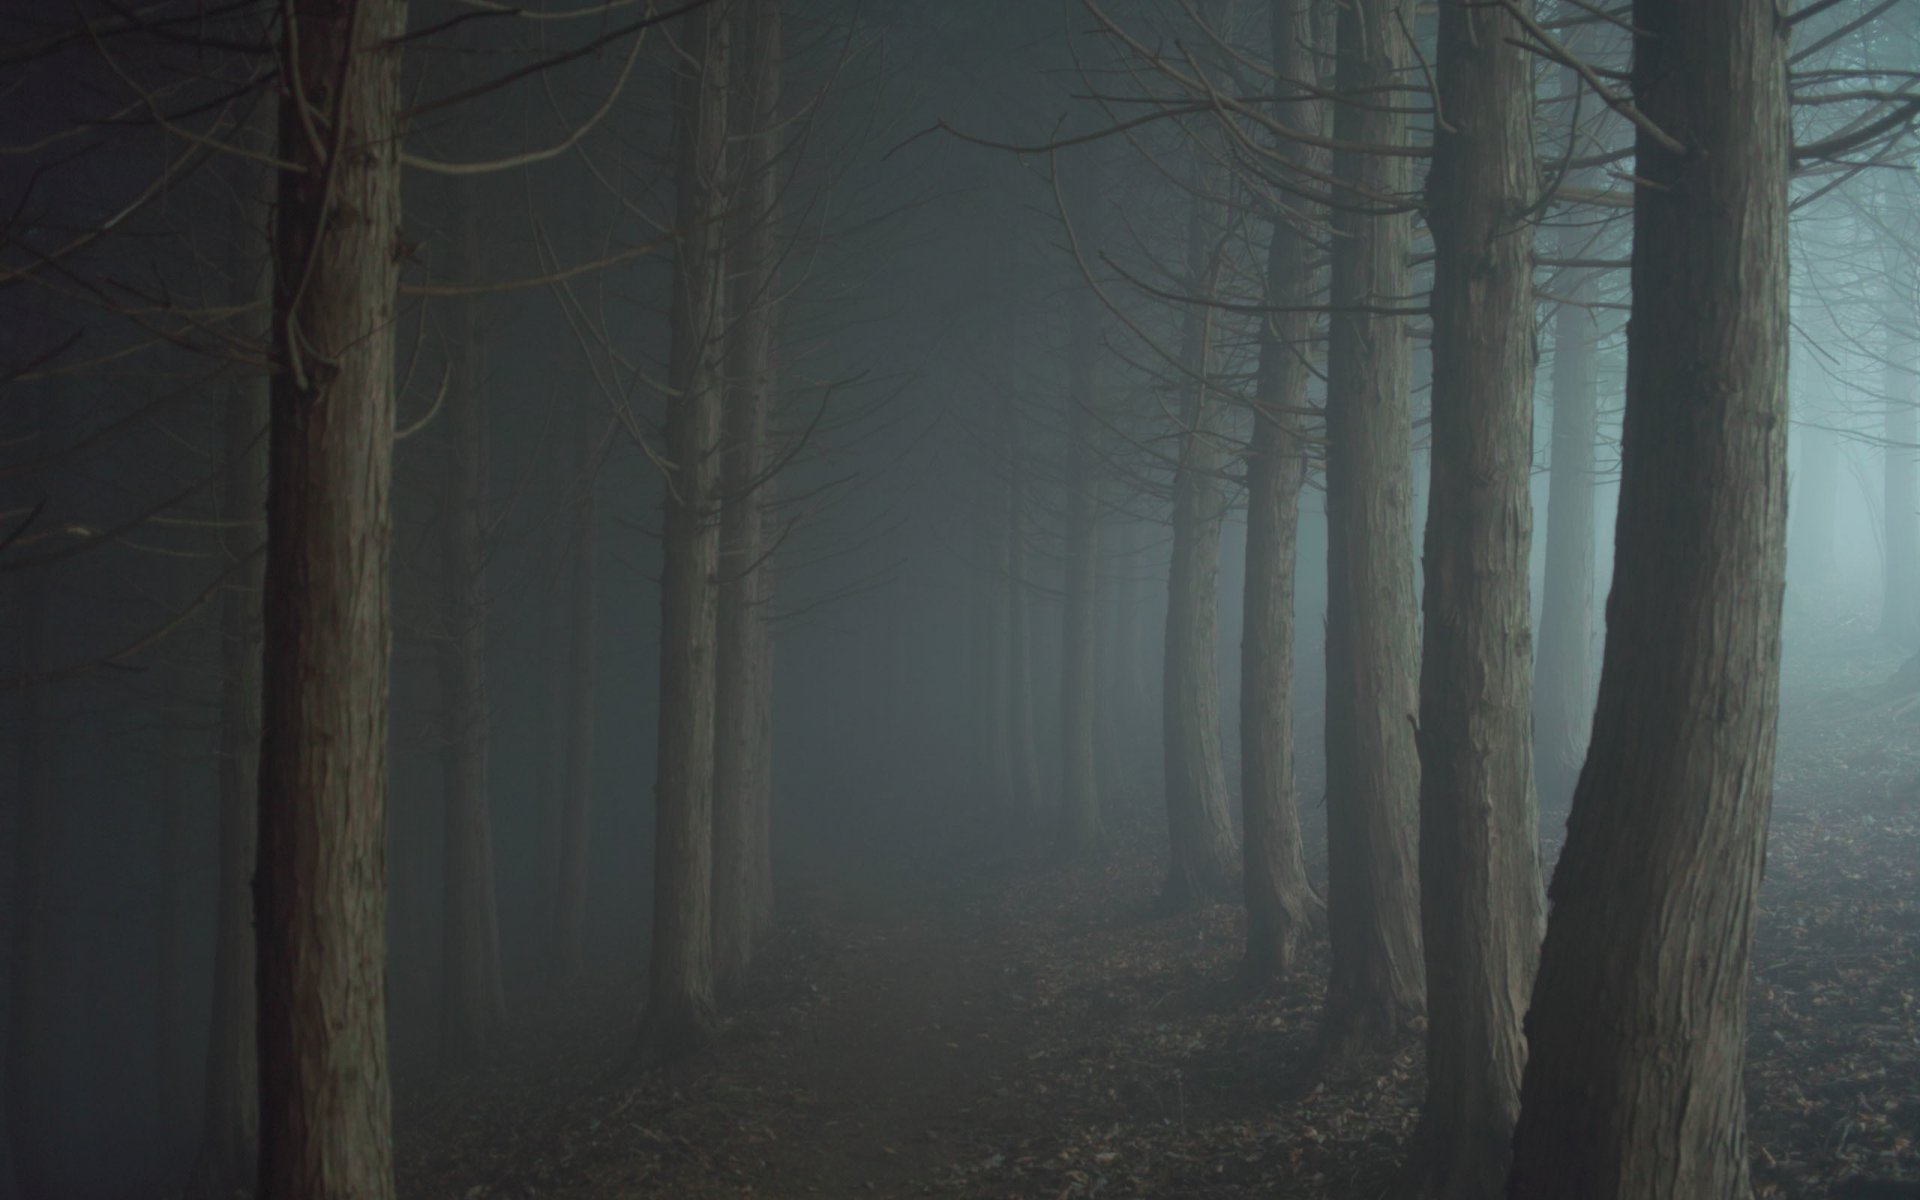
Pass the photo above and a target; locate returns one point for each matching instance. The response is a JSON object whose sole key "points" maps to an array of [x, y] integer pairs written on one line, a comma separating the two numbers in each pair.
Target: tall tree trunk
{"points": [[1479, 867], [229, 1145], [228, 1161], [1023, 759], [996, 727], [1200, 832], [1080, 826], [680, 986], [1373, 907], [321, 879], [1563, 688], [1900, 602], [576, 750], [1638, 1021], [1281, 905], [30, 1065], [743, 733], [473, 1004]]}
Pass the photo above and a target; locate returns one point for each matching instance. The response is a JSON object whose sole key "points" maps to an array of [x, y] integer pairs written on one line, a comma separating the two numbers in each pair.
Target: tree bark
{"points": [[680, 985], [1375, 987], [1632, 1084], [473, 1004], [1563, 686], [1080, 824], [1281, 905], [1201, 846], [743, 731], [1480, 896], [320, 883]]}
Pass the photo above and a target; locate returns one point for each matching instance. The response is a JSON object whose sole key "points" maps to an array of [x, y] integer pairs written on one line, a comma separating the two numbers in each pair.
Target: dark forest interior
{"points": [[972, 598]]}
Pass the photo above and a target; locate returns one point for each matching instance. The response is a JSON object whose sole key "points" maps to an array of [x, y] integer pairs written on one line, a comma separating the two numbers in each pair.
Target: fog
{"points": [[818, 434]]}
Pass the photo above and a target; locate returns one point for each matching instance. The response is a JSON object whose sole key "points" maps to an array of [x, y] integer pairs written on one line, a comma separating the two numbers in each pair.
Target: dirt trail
{"points": [[864, 1059]]}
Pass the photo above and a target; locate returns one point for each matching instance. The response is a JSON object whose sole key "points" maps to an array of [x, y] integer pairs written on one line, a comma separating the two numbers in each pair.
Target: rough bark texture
{"points": [[1900, 594], [1480, 896], [1563, 675], [1200, 832], [1633, 1082], [1080, 828], [229, 1144], [473, 1004], [325, 1124], [30, 1069], [1281, 905], [679, 1011], [743, 729], [576, 751], [1373, 771]]}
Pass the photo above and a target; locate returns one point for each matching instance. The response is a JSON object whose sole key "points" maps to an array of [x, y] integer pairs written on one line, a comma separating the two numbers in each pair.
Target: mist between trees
{"points": [[589, 588]]}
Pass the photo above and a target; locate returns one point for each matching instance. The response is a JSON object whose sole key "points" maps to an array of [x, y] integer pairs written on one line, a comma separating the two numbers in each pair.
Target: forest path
{"points": [[868, 1056]]}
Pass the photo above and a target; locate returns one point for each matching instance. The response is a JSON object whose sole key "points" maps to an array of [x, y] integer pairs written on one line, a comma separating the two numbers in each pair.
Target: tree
{"points": [[1080, 824], [584, 447], [1479, 870], [320, 883], [1375, 986], [229, 1143], [680, 981], [1900, 591], [1632, 1085], [743, 730], [1563, 692], [1281, 905], [1200, 834], [473, 1003]]}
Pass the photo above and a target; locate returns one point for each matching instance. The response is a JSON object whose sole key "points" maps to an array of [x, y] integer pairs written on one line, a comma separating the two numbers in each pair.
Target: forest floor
{"points": [[972, 1025]]}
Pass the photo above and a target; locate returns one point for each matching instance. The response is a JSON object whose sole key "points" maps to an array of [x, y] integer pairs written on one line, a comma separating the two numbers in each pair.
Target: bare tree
{"points": [[1281, 905], [1632, 1085], [320, 886], [680, 979], [1479, 867], [1376, 986]]}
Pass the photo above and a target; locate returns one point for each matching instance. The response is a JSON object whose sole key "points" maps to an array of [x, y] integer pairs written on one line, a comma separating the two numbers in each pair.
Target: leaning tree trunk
{"points": [[742, 883], [1375, 987], [1900, 596], [1479, 866], [1281, 905], [1200, 831], [1636, 1032], [1080, 826], [1563, 688], [473, 1003], [680, 986], [320, 886]]}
